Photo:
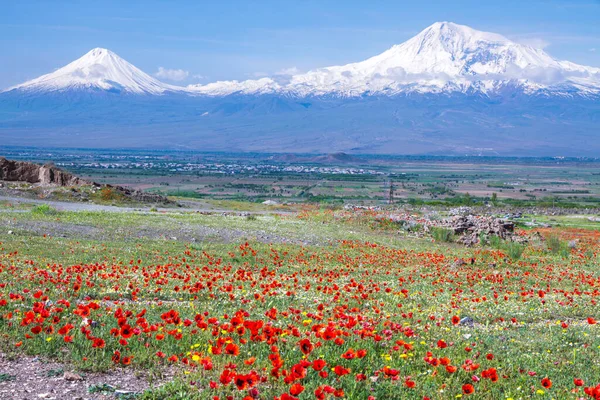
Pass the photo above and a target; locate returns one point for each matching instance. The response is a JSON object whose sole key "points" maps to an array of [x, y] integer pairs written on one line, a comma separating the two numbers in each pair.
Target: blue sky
{"points": [[204, 41]]}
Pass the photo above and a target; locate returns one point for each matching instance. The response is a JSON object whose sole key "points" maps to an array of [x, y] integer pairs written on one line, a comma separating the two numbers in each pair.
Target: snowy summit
{"points": [[99, 69], [443, 58]]}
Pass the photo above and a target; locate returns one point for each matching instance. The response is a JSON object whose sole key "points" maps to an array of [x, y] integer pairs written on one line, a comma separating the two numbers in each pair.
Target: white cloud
{"points": [[172, 74], [200, 77], [288, 71], [593, 50]]}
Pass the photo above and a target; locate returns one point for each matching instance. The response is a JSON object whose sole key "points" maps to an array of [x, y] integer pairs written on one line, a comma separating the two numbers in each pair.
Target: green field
{"points": [[340, 279]]}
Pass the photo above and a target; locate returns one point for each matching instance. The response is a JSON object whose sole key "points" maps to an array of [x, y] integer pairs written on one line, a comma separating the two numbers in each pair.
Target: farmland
{"points": [[337, 178]]}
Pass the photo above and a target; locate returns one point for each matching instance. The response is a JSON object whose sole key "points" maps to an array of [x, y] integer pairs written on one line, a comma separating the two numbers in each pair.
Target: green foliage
{"points": [[44, 209], [483, 239], [494, 198], [514, 250], [101, 388], [53, 373], [495, 241], [442, 235], [175, 390], [554, 244], [6, 377]]}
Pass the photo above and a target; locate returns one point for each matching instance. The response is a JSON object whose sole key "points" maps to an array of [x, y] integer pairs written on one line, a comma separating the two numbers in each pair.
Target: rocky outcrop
{"points": [[142, 197], [48, 174], [469, 228]]}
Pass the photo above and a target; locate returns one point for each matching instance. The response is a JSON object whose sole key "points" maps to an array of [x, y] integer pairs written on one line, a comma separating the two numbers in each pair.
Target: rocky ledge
{"points": [[49, 175]]}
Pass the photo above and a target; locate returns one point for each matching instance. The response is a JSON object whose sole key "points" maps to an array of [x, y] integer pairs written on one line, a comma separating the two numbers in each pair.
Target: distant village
{"points": [[221, 168]]}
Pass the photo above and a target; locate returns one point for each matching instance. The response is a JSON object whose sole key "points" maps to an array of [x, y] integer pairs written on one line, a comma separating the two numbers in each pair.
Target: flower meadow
{"points": [[348, 320]]}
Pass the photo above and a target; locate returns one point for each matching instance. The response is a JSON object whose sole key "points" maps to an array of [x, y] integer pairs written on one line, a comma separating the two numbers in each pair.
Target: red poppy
{"points": [[126, 331], [341, 371], [232, 349], [547, 383], [296, 389], [468, 389], [318, 364], [306, 346]]}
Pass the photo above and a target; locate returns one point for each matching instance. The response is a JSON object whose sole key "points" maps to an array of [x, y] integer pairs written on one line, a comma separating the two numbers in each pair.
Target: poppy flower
{"points": [[240, 382], [318, 364], [126, 331], [296, 389], [341, 371], [468, 389], [232, 349], [578, 382], [547, 383], [306, 346]]}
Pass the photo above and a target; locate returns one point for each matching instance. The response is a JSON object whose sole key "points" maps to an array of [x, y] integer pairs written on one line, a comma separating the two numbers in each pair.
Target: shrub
{"points": [[554, 244], [107, 194], [514, 250], [44, 209], [441, 234], [495, 241]]}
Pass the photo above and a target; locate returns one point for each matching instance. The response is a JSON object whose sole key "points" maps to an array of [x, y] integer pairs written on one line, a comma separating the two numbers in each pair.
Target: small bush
{"points": [[495, 241], [251, 217], [44, 209], [441, 234], [514, 250], [483, 239], [108, 194], [554, 244]]}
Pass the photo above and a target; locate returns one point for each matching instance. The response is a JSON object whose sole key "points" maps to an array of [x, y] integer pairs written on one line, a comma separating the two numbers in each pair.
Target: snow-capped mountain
{"points": [[99, 69], [445, 57], [448, 90]]}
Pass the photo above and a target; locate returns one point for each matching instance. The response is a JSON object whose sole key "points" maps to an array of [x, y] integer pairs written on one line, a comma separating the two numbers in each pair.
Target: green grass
{"points": [[376, 257], [44, 209], [442, 235]]}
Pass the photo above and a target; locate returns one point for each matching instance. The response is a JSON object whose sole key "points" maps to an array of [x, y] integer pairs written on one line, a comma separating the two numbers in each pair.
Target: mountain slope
{"points": [[448, 90], [99, 69], [443, 58]]}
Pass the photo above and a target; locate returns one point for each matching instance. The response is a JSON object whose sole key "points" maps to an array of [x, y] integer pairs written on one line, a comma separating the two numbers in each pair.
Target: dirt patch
{"points": [[32, 378]]}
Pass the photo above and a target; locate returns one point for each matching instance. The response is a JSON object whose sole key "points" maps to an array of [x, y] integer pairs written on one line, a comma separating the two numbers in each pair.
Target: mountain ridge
{"points": [[443, 58], [424, 96]]}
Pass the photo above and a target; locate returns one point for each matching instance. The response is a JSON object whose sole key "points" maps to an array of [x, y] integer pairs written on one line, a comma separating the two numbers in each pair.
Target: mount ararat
{"points": [[449, 90]]}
